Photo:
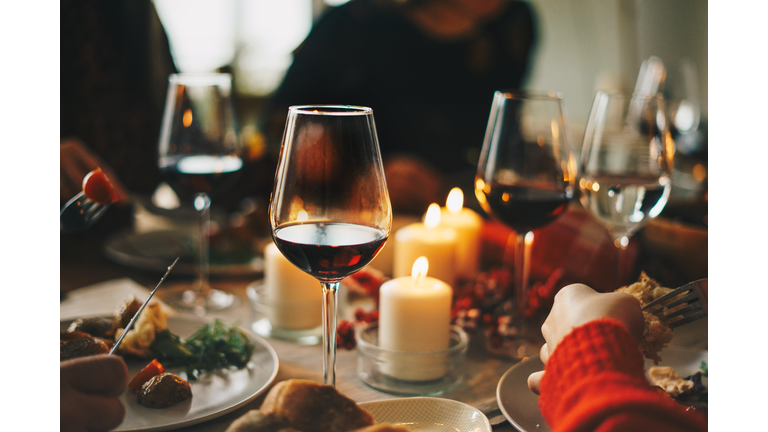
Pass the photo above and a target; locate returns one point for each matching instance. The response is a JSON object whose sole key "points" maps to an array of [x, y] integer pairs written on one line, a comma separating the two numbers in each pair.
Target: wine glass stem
{"points": [[330, 296], [521, 274], [203, 206]]}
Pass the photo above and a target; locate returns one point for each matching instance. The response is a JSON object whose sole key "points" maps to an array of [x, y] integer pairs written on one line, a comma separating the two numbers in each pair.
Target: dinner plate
{"points": [[427, 414], [154, 250], [213, 395], [521, 406]]}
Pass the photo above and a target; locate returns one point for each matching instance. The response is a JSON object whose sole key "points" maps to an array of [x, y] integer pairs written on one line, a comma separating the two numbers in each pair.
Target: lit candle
{"points": [[468, 226], [294, 297], [428, 239], [415, 316]]}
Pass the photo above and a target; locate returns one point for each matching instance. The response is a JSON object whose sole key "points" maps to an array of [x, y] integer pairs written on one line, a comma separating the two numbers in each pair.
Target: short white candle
{"points": [[415, 316], [294, 297], [468, 226], [429, 240]]}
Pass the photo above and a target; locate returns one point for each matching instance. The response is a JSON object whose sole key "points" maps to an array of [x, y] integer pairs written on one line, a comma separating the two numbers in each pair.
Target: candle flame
{"points": [[528, 238], [419, 270], [455, 201], [187, 118], [432, 218], [303, 216]]}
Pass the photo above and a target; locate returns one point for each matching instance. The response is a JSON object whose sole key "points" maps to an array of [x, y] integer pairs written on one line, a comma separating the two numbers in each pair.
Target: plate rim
{"points": [[484, 418], [201, 321], [536, 358]]}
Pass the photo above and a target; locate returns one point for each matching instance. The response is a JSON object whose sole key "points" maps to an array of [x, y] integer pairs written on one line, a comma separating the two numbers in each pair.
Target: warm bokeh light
{"points": [[419, 269], [187, 118], [303, 216], [528, 238], [595, 186], [455, 201], [699, 172], [432, 218]]}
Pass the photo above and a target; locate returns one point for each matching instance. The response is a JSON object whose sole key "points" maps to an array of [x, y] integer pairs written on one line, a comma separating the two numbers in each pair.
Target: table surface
{"points": [[83, 263]]}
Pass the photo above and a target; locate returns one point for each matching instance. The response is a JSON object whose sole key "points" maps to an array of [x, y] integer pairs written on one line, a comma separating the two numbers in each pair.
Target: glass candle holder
{"points": [[427, 373]]}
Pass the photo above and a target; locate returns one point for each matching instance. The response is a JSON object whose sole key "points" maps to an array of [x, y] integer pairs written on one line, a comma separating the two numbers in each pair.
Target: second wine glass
{"points": [[330, 211], [524, 179], [199, 155], [626, 164]]}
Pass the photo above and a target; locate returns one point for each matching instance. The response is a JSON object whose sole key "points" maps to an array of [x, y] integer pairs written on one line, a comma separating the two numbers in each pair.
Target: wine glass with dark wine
{"points": [[330, 211], [625, 168], [525, 180], [199, 155]]}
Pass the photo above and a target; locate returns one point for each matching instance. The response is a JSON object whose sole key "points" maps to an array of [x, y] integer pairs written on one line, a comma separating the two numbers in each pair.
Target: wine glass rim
{"points": [[530, 94], [333, 110], [200, 78], [629, 95]]}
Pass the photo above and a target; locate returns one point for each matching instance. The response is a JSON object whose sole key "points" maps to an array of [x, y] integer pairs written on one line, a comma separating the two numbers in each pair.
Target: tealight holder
{"points": [[269, 314], [427, 373]]}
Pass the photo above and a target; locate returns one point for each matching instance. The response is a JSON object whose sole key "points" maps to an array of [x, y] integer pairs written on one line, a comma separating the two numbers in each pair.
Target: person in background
{"points": [[90, 388], [594, 377], [428, 68]]}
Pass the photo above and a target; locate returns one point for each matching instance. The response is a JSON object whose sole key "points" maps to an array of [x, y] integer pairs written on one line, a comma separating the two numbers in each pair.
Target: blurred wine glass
{"points": [[330, 210], [626, 163], [525, 180], [199, 155]]}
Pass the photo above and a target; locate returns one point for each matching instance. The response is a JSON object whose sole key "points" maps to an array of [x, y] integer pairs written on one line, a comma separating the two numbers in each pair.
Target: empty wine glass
{"points": [[524, 179], [199, 155], [626, 163], [330, 211]]}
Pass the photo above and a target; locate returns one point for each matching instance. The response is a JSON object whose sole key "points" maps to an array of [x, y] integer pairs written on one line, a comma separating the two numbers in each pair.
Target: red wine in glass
{"points": [[524, 207], [329, 251], [209, 174]]}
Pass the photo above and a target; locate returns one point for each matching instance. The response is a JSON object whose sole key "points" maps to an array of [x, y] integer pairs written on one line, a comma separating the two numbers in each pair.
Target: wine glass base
{"points": [[189, 299]]}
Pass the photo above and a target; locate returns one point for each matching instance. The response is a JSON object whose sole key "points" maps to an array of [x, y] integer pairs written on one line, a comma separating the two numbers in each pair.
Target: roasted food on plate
{"points": [[164, 390], [98, 326], [306, 406], [656, 334], [138, 341], [82, 347]]}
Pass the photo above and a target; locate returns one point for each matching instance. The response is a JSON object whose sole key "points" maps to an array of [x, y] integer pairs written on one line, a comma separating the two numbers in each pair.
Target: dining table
{"points": [[91, 283]]}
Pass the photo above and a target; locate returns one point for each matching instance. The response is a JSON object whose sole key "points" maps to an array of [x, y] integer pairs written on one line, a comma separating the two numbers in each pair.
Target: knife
{"points": [[135, 317]]}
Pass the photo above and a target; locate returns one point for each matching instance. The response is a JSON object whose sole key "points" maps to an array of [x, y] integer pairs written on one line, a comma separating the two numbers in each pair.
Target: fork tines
{"points": [[690, 302]]}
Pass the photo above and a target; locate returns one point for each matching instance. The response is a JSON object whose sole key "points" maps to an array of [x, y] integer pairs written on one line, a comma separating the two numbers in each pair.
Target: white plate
{"points": [[212, 396], [153, 250], [426, 414], [521, 407]]}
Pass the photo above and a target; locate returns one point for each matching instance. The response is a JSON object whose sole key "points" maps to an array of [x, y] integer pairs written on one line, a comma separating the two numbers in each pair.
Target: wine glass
{"points": [[330, 211], [525, 180], [199, 155], [626, 163]]}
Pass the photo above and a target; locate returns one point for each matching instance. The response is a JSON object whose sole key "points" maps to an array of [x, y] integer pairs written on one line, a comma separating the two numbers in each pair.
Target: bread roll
{"points": [[311, 407]]}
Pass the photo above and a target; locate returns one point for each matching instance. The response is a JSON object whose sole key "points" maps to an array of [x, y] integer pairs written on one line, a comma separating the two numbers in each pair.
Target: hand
{"points": [[90, 387], [578, 304], [76, 160]]}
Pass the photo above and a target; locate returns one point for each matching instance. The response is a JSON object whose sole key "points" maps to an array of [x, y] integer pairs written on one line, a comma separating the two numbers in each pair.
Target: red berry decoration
{"points": [[345, 335]]}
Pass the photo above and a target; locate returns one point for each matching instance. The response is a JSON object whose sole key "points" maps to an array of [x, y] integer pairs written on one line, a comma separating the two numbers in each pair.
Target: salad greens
{"points": [[213, 346]]}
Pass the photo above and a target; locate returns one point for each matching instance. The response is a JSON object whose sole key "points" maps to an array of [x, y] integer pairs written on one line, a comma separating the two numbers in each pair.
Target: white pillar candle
{"points": [[426, 239], [384, 261], [294, 297], [468, 226], [415, 316]]}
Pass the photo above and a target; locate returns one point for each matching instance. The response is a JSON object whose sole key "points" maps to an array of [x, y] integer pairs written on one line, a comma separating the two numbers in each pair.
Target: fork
{"points": [[693, 295], [80, 212]]}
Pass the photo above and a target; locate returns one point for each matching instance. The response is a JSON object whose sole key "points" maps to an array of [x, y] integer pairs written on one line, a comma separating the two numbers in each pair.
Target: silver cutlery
{"points": [[692, 295]]}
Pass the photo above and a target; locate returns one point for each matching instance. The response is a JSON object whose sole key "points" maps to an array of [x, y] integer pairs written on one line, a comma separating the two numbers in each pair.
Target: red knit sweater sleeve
{"points": [[595, 381]]}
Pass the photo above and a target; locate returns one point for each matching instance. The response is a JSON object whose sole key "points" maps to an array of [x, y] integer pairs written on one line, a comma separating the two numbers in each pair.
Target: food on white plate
{"points": [[149, 371], [139, 339], [672, 383], [306, 406], [164, 390], [82, 347], [97, 326], [656, 334]]}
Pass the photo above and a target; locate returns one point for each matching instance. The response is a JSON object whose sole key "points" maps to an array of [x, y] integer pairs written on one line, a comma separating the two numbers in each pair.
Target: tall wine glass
{"points": [[625, 168], [524, 179], [330, 210], [199, 155]]}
